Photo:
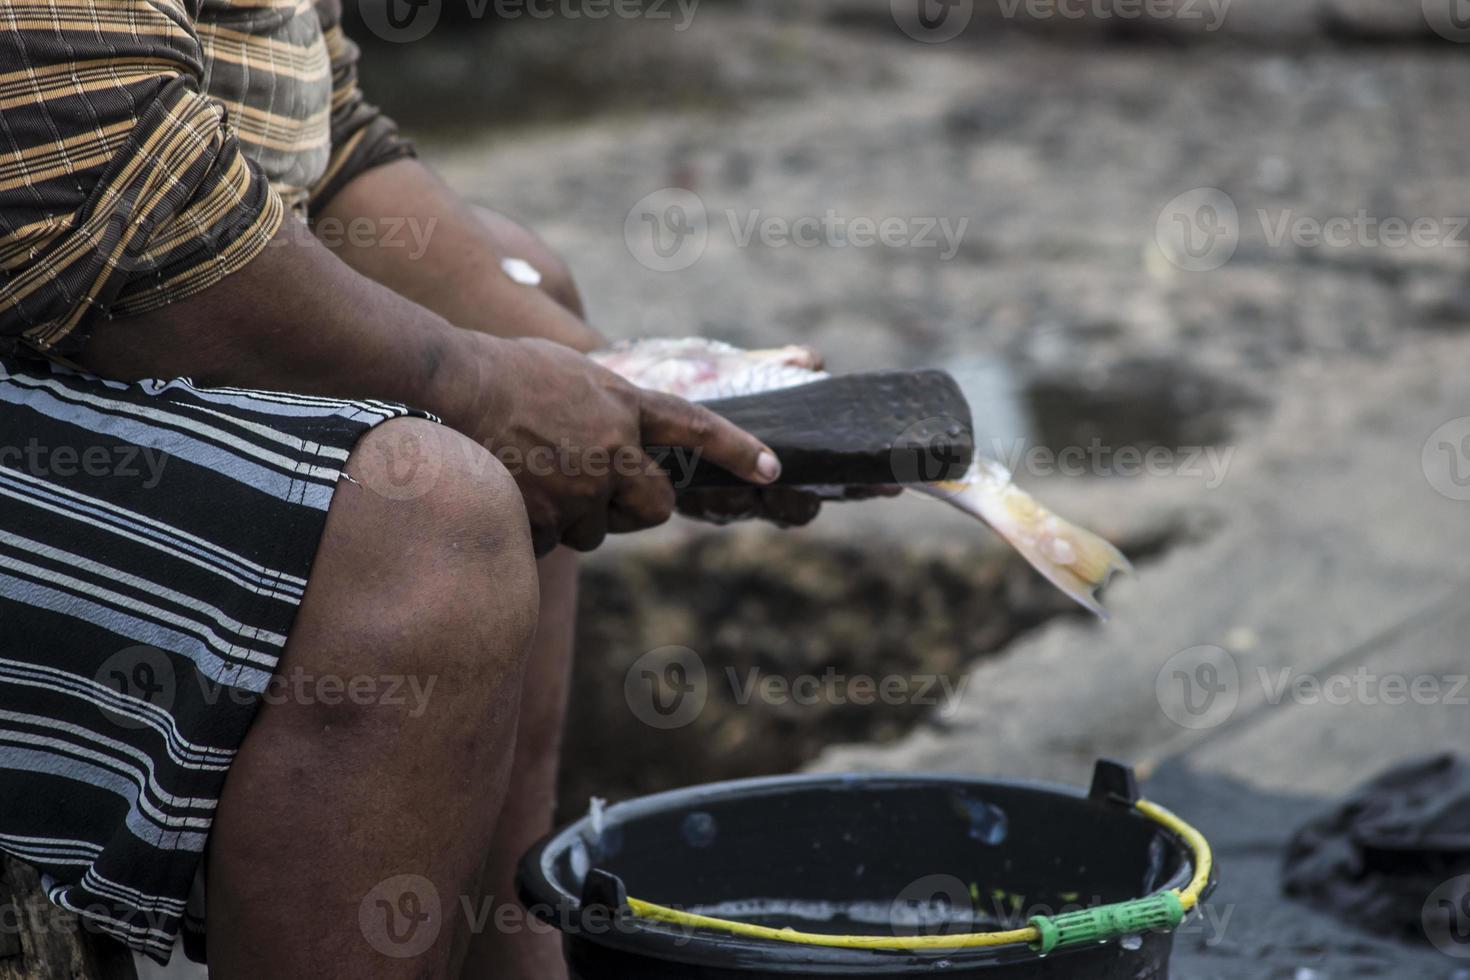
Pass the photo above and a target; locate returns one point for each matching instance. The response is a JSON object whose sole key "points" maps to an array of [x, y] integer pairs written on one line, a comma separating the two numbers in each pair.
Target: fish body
{"points": [[1073, 558], [700, 370]]}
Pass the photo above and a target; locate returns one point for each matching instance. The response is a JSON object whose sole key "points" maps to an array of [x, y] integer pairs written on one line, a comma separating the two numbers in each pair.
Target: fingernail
{"points": [[768, 466]]}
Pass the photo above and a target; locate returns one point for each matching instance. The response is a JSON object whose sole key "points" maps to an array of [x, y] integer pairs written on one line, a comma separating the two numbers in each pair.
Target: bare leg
{"points": [[532, 952], [341, 828], [460, 279]]}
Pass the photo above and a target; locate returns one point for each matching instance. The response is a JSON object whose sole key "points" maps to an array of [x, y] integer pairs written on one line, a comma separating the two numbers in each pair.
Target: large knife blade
{"points": [[884, 427]]}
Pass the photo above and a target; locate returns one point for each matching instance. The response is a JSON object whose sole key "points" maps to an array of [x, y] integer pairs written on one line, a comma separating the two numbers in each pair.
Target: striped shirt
{"points": [[149, 148]]}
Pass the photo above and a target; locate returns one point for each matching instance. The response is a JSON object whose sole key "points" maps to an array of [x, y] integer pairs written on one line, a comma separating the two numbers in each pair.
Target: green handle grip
{"points": [[1108, 922]]}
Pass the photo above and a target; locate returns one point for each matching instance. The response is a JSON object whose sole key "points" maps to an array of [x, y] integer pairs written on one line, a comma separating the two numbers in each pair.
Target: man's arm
{"points": [[442, 255], [445, 258], [297, 318]]}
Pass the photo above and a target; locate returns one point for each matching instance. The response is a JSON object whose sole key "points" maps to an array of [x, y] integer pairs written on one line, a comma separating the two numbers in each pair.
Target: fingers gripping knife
{"points": [[877, 428]]}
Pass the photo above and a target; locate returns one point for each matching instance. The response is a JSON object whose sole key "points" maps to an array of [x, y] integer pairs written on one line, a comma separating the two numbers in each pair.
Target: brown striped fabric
{"points": [[149, 148]]}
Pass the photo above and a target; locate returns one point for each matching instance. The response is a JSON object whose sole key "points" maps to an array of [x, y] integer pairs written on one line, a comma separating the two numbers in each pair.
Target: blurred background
{"points": [[1215, 248]]}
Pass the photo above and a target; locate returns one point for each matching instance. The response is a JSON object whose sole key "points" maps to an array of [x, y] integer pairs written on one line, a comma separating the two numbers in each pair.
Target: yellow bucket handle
{"points": [[1042, 933]]}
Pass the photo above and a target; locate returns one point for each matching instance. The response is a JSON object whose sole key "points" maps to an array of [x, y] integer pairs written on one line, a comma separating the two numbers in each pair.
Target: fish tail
{"points": [[1074, 559]]}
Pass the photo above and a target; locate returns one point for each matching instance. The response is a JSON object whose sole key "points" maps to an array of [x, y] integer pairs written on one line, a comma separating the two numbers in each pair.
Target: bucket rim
{"points": [[537, 882]]}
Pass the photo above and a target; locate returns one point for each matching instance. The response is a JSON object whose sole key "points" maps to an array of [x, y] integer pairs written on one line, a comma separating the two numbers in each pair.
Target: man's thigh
{"points": [[155, 544], [515, 241]]}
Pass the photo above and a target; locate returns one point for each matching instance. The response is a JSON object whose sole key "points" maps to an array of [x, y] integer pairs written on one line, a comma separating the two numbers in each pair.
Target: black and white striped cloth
{"points": [[155, 543]]}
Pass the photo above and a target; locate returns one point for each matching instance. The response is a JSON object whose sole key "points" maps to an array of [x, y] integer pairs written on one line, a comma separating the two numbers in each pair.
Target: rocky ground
{"points": [[1175, 236]]}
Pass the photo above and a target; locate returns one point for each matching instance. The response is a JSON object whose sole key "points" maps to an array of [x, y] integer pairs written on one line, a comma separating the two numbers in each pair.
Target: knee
{"points": [[514, 240], [557, 281], [451, 526], [444, 490]]}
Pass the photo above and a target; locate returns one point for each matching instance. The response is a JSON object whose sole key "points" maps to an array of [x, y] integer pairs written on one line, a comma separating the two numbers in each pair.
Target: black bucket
{"points": [[870, 854]]}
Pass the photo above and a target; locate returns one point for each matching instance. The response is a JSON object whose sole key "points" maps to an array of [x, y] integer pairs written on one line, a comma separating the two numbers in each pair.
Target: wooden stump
{"points": [[39, 941]]}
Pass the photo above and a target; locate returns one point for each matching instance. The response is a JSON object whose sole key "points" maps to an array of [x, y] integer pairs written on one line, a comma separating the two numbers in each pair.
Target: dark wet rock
{"points": [[757, 606], [1168, 22], [1379, 20], [1440, 302], [1248, 930], [1141, 403], [478, 70]]}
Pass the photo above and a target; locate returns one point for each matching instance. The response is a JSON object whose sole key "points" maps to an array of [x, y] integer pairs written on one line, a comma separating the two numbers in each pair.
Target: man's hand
{"points": [[572, 433]]}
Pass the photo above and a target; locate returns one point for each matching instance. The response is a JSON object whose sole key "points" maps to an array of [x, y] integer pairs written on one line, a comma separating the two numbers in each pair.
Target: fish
{"points": [[1077, 561]]}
